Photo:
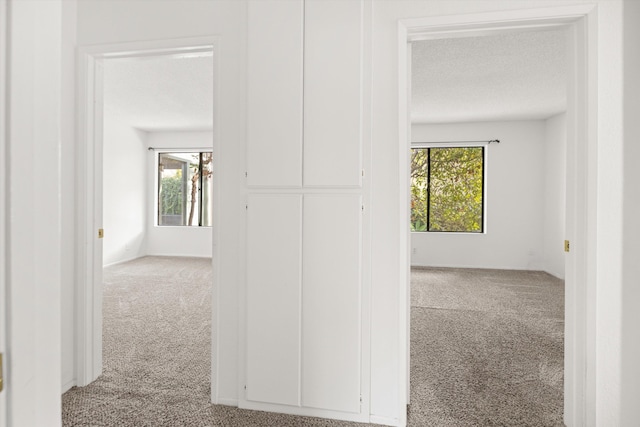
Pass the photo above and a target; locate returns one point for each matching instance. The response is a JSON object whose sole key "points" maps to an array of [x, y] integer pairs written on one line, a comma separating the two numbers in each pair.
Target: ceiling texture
{"points": [[161, 93], [516, 76]]}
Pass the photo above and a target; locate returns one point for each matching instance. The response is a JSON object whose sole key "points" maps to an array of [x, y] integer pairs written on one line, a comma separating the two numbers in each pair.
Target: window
{"points": [[447, 189], [185, 189]]}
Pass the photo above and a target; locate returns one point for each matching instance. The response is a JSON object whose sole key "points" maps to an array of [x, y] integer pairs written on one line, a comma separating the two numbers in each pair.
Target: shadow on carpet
{"points": [[486, 350]]}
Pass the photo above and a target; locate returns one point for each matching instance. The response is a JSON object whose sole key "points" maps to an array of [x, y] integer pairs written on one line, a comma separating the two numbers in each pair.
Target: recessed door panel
{"points": [[273, 298], [333, 93], [275, 43], [331, 302]]}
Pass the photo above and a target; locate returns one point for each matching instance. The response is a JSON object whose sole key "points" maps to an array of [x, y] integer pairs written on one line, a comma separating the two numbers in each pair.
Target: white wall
{"points": [[514, 199], [124, 191], [555, 169], [174, 241], [143, 20], [524, 198], [34, 239]]}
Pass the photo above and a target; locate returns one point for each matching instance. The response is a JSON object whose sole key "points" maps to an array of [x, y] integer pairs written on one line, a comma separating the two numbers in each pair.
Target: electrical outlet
{"points": [[413, 251]]}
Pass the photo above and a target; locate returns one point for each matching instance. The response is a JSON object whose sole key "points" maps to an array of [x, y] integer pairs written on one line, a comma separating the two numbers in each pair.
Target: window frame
{"points": [[156, 193], [484, 146]]}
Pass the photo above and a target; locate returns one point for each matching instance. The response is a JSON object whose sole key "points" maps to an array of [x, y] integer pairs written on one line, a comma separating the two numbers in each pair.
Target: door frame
{"points": [[4, 316], [582, 143], [88, 302]]}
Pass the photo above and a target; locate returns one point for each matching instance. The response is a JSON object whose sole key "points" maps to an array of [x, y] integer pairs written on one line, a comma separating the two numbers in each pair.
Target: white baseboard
{"points": [[123, 261], [181, 255], [227, 402], [67, 385], [475, 267], [386, 421], [156, 255], [554, 275]]}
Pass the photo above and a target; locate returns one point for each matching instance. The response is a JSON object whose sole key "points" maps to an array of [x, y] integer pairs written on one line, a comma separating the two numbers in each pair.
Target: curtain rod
{"points": [[497, 141], [180, 149]]}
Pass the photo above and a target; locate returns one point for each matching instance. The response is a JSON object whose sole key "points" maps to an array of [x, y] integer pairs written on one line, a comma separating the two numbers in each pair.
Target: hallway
{"points": [[486, 349]]}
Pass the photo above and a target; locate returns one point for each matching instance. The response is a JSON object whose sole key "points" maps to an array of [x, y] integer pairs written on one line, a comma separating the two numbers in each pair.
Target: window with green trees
{"points": [[185, 189], [447, 189]]}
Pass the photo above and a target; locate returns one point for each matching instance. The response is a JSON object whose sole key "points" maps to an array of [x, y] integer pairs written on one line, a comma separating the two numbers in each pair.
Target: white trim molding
{"points": [[385, 421], [89, 204], [581, 23], [4, 232]]}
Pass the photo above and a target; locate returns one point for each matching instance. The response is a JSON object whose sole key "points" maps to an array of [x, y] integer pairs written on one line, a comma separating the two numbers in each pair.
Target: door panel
{"points": [[333, 93], [275, 93], [95, 236], [273, 298], [331, 302]]}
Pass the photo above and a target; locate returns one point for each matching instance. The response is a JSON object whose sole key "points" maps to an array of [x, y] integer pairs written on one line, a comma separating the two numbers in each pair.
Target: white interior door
{"points": [[89, 291], [89, 333], [96, 238]]}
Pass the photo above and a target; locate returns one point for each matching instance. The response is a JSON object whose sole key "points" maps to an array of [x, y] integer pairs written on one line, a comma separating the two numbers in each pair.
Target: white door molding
{"points": [[581, 23], [4, 317], [88, 308], [88, 323]]}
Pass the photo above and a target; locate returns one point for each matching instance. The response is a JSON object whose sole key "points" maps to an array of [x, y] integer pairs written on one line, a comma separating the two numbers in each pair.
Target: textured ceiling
{"points": [[161, 92], [506, 77]]}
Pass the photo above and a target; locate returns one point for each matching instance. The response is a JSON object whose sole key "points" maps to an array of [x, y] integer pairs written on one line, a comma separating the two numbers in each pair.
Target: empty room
{"points": [[155, 202], [488, 162], [298, 268]]}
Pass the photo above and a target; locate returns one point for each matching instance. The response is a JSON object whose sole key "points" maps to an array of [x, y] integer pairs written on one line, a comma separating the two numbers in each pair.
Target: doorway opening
{"points": [[487, 199], [579, 169], [145, 107]]}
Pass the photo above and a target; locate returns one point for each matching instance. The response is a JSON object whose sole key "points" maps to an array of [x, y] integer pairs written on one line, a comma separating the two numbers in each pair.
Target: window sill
{"points": [[449, 233], [195, 227]]}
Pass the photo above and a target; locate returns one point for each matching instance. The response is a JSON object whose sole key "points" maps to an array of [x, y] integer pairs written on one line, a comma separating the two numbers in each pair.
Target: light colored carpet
{"points": [[486, 349]]}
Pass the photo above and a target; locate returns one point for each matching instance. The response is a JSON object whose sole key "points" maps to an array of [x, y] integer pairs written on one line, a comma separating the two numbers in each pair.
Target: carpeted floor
{"points": [[486, 350]]}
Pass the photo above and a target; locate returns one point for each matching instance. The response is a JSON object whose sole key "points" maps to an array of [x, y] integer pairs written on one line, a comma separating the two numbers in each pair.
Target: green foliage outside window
{"points": [[171, 194], [185, 187], [447, 189]]}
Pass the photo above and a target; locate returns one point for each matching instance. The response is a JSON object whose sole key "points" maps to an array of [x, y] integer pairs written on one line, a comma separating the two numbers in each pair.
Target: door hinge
{"points": [[100, 233], [362, 172], [567, 247], [1, 376], [362, 208]]}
